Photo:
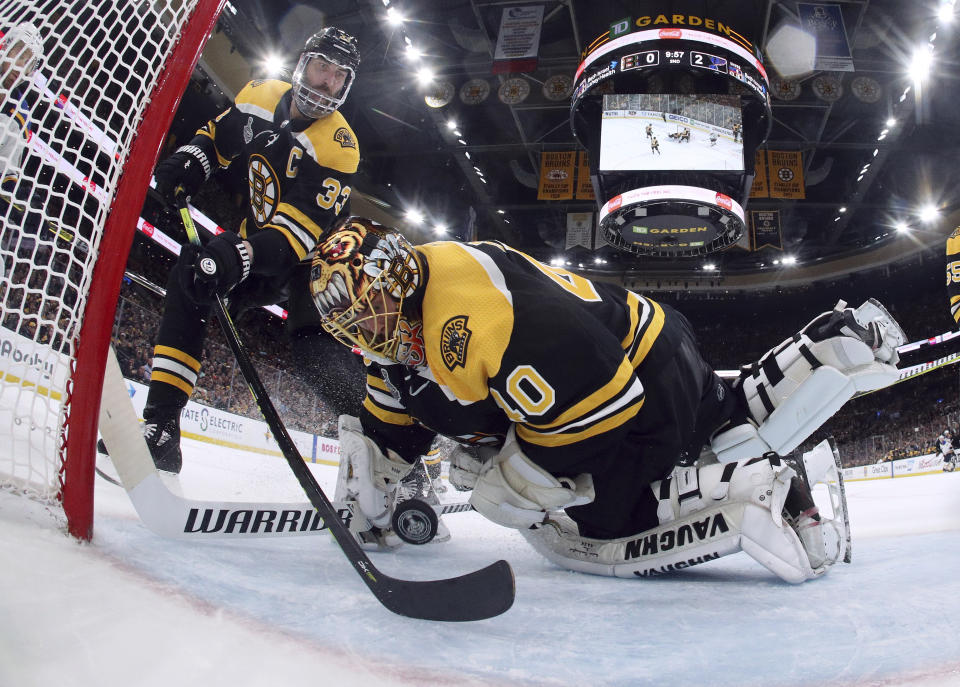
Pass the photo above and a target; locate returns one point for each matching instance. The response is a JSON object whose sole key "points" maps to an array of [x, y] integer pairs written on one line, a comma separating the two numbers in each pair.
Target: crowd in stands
{"points": [[903, 420]]}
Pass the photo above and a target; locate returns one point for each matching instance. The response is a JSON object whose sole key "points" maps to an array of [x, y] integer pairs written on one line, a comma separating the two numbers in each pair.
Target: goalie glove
{"points": [[515, 492], [214, 269], [466, 464], [189, 167]]}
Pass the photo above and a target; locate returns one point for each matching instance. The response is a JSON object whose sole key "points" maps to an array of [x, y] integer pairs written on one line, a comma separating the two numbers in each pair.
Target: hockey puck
{"points": [[415, 522]]}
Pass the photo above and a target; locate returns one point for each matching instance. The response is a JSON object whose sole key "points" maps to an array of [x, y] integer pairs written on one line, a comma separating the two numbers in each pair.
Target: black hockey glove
{"points": [[188, 167], [214, 269]]}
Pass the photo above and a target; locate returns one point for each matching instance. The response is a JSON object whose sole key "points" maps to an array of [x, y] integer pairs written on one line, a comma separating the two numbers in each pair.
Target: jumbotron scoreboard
{"points": [[702, 88]]}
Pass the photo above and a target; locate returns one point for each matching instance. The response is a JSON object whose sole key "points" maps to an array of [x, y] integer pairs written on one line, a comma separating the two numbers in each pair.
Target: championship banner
{"points": [[760, 188], [556, 176], [579, 230], [786, 174], [584, 187], [518, 41], [825, 23], [766, 229]]}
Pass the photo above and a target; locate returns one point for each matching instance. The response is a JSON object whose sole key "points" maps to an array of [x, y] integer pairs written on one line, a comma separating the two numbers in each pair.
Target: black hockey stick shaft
{"points": [[481, 594]]}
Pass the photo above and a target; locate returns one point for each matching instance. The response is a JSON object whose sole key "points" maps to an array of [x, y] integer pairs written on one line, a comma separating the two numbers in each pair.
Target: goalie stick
{"points": [[481, 594]]}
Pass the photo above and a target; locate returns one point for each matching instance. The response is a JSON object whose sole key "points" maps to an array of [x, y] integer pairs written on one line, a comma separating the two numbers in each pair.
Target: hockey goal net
{"points": [[81, 130]]}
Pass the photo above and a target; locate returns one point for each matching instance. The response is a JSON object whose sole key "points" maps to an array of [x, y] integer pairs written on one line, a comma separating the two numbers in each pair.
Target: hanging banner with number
{"points": [[579, 230], [584, 185], [556, 175], [785, 168], [760, 189], [825, 23], [766, 229], [518, 41]]}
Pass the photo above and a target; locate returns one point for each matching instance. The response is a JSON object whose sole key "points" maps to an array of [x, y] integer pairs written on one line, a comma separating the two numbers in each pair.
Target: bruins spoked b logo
{"points": [[453, 342], [264, 189]]}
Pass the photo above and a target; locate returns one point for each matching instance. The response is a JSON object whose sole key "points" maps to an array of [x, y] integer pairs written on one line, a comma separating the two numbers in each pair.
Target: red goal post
{"points": [[87, 125]]}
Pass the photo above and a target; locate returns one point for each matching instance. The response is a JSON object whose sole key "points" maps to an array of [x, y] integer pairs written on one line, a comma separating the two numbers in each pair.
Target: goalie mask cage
{"points": [[76, 158]]}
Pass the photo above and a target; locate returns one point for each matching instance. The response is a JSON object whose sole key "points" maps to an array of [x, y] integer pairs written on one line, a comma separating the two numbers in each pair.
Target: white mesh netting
{"points": [[75, 79]]}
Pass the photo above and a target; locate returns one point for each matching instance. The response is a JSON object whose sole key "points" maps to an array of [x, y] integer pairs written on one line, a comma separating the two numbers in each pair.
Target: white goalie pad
{"points": [[797, 386], [824, 475], [366, 475], [705, 514]]}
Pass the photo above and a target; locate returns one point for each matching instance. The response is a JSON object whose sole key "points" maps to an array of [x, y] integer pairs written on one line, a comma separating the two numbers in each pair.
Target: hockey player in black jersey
{"points": [[299, 153], [580, 404]]}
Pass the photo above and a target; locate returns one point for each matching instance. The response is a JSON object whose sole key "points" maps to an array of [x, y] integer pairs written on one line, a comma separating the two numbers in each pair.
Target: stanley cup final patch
{"points": [[453, 342]]}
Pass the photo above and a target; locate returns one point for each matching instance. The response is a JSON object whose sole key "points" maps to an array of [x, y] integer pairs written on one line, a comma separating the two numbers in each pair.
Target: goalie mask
{"points": [[325, 72], [362, 275], [20, 52]]}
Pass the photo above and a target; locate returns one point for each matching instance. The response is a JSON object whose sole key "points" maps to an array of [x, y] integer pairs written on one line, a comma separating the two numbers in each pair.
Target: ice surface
{"points": [[134, 609]]}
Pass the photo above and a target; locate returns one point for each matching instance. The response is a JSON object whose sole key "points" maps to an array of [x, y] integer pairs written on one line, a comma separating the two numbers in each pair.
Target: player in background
{"points": [[713, 139], [953, 274], [654, 146], [21, 51], [578, 401], [649, 130], [945, 444], [299, 153]]}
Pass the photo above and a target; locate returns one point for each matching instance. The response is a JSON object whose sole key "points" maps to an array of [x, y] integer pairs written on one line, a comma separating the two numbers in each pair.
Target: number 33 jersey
{"points": [[297, 170]]}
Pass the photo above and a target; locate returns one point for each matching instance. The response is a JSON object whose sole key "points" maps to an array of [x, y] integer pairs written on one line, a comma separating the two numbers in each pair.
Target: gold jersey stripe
{"points": [[300, 220], [650, 335], [621, 381], [377, 383], [387, 416], [633, 308], [177, 355], [173, 380], [533, 437]]}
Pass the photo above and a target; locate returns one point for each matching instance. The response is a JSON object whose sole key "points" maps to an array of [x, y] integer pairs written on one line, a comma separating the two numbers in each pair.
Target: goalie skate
{"points": [[821, 466]]}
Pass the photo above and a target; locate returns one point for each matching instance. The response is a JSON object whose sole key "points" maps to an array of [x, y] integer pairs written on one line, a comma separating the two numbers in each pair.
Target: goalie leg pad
{"points": [[705, 514], [795, 387]]}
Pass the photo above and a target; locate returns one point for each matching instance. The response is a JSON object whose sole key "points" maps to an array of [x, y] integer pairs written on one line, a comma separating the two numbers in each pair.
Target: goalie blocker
{"points": [[760, 506]]}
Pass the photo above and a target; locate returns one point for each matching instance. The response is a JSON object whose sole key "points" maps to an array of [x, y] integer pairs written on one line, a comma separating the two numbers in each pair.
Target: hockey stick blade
{"points": [[474, 596]]}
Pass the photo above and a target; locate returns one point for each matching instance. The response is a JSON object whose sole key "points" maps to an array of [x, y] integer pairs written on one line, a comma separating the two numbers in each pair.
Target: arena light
{"points": [[394, 17], [501, 212], [414, 216], [440, 229], [921, 63], [709, 267], [901, 227], [412, 53], [929, 213], [273, 64], [945, 13], [425, 75], [452, 124], [789, 260], [891, 122]]}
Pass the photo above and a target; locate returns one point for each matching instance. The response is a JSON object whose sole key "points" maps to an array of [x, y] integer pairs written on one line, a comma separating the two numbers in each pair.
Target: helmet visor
{"points": [[320, 84]]}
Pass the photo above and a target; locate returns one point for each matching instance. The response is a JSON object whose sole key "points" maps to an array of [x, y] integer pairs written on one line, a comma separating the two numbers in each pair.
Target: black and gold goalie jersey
{"points": [[298, 170], [509, 340], [953, 274]]}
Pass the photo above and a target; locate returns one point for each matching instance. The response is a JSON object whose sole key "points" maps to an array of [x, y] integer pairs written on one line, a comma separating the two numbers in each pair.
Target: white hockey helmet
{"points": [[334, 47]]}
